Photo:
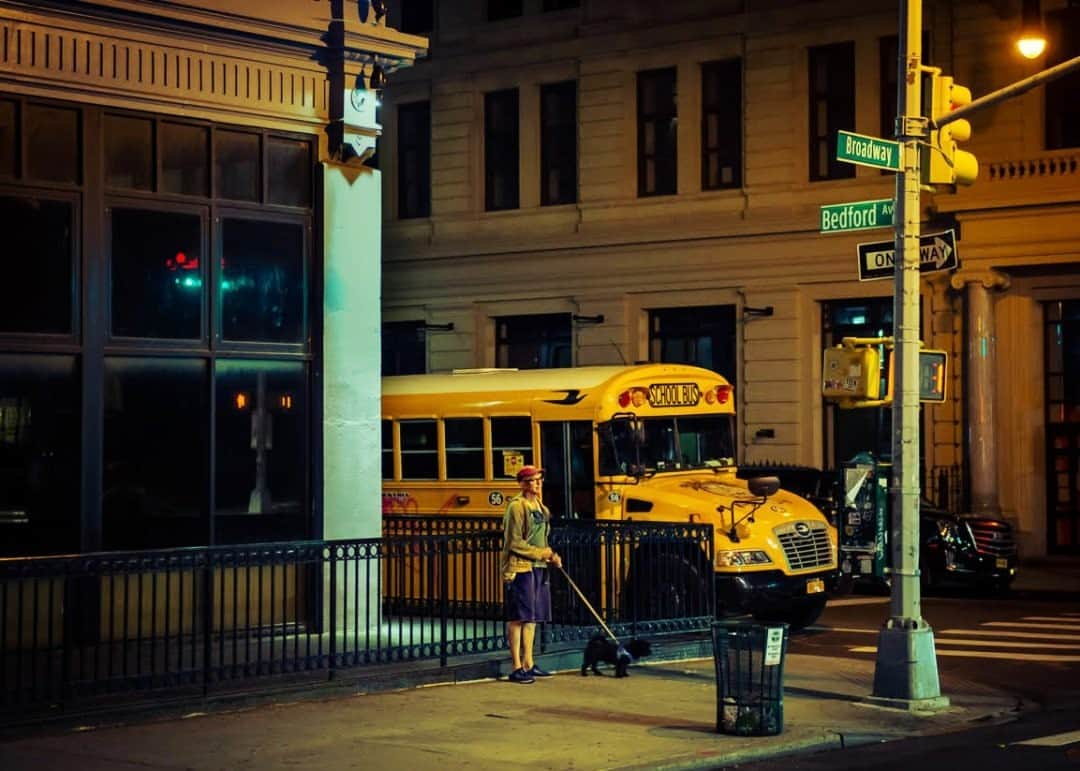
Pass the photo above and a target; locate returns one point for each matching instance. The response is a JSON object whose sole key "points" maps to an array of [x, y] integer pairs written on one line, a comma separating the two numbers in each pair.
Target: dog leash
{"points": [[588, 605]]}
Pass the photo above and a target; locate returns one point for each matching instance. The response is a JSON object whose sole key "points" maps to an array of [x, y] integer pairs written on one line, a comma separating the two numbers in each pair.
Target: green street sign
{"points": [[861, 215], [867, 151]]}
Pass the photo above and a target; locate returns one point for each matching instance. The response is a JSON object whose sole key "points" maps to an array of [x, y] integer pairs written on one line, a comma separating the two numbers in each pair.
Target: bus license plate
{"points": [[1001, 562], [815, 585]]}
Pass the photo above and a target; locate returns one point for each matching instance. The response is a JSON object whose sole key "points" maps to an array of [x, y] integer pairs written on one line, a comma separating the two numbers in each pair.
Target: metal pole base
{"points": [[905, 674]]}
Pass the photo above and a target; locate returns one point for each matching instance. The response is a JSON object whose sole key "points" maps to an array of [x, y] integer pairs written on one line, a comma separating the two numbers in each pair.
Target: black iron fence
{"points": [[944, 485], [191, 622]]}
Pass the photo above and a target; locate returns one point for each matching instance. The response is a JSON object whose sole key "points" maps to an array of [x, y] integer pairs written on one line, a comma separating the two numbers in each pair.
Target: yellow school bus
{"points": [[650, 442]]}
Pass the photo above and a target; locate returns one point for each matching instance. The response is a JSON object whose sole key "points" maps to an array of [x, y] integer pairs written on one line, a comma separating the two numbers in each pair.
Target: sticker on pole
{"points": [[774, 645]]}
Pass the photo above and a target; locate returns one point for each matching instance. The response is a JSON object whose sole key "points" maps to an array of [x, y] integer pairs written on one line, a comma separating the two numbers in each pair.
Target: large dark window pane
{"points": [[156, 453], [53, 144], [658, 132], [262, 281], [417, 16], [404, 348], [236, 165], [262, 451], [129, 152], [414, 160], [39, 455], [534, 341], [832, 108], [501, 150], [703, 336], [721, 124], [38, 265], [157, 274], [558, 143], [185, 159], [288, 171], [1063, 95], [9, 138]]}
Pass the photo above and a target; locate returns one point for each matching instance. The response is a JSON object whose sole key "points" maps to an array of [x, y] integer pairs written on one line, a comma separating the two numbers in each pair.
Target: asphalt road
{"points": [[1027, 647]]}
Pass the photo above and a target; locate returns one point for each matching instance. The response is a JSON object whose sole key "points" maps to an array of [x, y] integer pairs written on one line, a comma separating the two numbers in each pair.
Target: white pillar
{"points": [[352, 443]]}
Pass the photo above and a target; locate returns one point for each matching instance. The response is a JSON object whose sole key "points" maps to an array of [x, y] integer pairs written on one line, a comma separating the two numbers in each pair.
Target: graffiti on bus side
{"points": [[399, 502]]}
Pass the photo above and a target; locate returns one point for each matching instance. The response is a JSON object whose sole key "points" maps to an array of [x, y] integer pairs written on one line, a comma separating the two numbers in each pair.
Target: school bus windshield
{"points": [[635, 446]]}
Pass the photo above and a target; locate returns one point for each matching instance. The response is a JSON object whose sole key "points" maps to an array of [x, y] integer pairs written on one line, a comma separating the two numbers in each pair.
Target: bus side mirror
{"points": [[763, 487]]}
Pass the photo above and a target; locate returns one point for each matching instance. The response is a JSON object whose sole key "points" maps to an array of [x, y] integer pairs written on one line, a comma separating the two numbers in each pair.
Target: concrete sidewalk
{"points": [[661, 717]]}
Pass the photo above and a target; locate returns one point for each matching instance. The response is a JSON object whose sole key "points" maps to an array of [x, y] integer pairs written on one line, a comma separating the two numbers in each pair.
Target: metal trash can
{"points": [[749, 662]]}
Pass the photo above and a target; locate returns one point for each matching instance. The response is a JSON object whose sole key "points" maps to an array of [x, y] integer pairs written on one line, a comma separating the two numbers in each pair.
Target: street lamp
{"points": [[1032, 40]]}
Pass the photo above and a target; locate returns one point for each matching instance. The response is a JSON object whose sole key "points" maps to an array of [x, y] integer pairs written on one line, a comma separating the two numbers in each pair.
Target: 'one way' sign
{"points": [[937, 251]]}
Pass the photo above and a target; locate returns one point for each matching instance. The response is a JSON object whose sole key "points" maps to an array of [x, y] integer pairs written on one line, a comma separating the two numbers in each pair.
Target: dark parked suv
{"points": [[965, 549], [969, 550]]}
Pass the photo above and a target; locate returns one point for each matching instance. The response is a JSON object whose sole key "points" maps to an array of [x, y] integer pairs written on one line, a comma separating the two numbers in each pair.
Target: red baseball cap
{"points": [[528, 472]]}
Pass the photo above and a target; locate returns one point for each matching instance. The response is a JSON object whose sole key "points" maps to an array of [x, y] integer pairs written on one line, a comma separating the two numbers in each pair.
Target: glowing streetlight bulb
{"points": [[1031, 46]]}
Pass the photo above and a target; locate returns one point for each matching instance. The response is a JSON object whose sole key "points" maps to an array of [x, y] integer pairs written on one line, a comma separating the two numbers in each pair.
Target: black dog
{"points": [[601, 648]]}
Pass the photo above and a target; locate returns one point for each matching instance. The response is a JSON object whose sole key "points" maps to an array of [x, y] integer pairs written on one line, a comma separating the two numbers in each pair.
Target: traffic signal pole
{"points": [[905, 672]]}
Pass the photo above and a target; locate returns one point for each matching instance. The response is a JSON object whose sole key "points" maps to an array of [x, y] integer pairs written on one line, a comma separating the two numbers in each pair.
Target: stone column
{"points": [[979, 391]]}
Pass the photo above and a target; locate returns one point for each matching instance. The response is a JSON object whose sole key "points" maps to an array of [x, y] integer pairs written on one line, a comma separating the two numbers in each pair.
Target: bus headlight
{"points": [[725, 559]]}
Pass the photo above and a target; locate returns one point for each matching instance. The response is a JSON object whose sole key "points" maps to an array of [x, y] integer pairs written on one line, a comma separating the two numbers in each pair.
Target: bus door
{"points": [[566, 455]]}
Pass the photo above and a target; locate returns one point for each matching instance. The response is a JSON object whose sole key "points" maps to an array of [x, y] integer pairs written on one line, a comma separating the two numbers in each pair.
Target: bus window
{"points": [[388, 449], [619, 441], [510, 437], [419, 449], [464, 448], [675, 443]]}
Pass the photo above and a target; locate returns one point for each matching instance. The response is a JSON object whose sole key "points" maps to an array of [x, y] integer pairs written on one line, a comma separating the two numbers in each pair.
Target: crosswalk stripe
{"points": [[1063, 627], [997, 644], [1050, 658], [1055, 740], [997, 633], [848, 602], [843, 629]]}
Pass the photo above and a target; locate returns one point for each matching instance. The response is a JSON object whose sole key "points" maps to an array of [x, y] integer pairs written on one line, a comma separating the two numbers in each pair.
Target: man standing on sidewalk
{"points": [[524, 567]]}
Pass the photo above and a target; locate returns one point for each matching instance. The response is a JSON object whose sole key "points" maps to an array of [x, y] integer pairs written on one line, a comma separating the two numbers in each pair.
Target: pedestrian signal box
{"points": [[932, 368], [851, 373]]}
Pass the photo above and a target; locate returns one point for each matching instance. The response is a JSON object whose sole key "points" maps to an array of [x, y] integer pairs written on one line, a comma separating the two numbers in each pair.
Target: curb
{"points": [[713, 759]]}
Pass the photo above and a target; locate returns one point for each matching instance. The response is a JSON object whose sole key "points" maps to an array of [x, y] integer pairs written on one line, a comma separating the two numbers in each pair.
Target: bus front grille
{"points": [[806, 545]]}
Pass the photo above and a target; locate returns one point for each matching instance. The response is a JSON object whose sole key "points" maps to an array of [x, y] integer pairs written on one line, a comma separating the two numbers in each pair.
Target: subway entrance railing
{"points": [[90, 629]]}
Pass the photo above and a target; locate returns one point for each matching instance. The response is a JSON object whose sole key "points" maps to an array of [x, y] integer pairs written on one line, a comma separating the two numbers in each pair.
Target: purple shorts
{"points": [[528, 597]]}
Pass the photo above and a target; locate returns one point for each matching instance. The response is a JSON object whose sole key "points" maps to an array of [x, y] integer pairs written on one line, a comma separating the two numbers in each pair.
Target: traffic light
{"points": [[942, 162], [851, 374]]}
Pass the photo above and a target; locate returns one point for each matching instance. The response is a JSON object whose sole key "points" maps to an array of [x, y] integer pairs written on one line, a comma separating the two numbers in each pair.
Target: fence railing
{"points": [[194, 621]]}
